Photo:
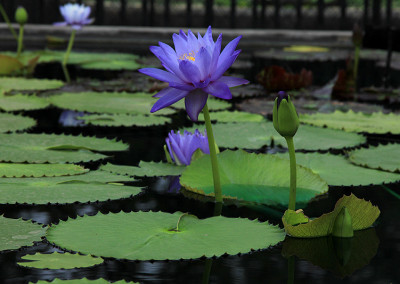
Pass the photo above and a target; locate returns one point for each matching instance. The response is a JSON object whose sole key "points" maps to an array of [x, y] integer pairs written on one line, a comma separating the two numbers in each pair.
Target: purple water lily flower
{"points": [[182, 147], [194, 69], [75, 15]]}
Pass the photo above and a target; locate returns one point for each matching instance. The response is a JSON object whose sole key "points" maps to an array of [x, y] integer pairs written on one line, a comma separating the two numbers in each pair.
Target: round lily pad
{"points": [[383, 157], [83, 281], [148, 169], [107, 102], [234, 116], [16, 233], [51, 148], [160, 236], [261, 178], [39, 170], [124, 120], [22, 102], [59, 260], [351, 121], [11, 122], [23, 84], [337, 170]]}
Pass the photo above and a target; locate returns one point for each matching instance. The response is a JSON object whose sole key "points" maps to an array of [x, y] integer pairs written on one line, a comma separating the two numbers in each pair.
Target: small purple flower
{"points": [[194, 70], [182, 147], [75, 15]]}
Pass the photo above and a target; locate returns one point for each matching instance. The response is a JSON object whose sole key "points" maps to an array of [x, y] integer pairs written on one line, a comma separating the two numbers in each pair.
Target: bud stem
{"points": [[66, 56], [213, 156], [20, 40], [292, 157]]}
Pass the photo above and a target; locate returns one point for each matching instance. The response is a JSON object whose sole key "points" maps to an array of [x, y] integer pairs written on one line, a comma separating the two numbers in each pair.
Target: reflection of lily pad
{"points": [[22, 102], [22, 84], [383, 157], [11, 122], [39, 170], [59, 260], [249, 177], [124, 120], [148, 169], [158, 235], [234, 116], [16, 233], [337, 170]]}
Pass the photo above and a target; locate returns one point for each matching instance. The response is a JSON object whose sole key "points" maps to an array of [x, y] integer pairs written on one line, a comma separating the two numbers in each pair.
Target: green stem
{"points": [[7, 20], [291, 263], [356, 60], [213, 155], [20, 40], [207, 271], [292, 157], [391, 192], [66, 56]]}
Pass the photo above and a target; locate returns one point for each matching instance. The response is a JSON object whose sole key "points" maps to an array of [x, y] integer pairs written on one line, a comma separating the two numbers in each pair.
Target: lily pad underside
{"points": [[11, 122], [57, 260], [52, 148], [339, 171], [39, 170], [20, 102], [351, 121], [125, 120], [161, 236], [23, 84], [145, 169], [108, 102], [261, 178], [382, 157], [16, 233]]}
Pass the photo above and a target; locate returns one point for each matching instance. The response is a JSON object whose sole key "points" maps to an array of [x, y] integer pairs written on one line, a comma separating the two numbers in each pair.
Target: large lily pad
{"points": [[383, 157], [363, 215], [57, 260], [234, 116], [337, 170], [105, 102], [23, 84], [254, 178], [90, 187], [16, 233], [11, 122], [124, 120], [42, 148], [22, 102], [148, 169], [39, 170], [351, 121], [159, 236]]}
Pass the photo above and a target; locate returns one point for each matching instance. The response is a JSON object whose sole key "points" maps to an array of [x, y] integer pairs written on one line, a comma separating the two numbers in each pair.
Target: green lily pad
{"points": [[111, 103], [147, 169], [213, 104], [383, 157], [246, 135], [351, 121], [119, 64], [124, 120], [255, 178], [317, 138], [160, 236], [16, 233], [83, 281], [59, 260], [339, 171], [51, 148], [23, 84], [90, 187], [22, 102], [363, 215], [11, 122], [39, 170], [234, 116]]}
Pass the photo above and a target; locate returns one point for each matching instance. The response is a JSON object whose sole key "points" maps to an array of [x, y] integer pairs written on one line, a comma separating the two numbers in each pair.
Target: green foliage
{"points": [[125, 120], [11, 122], [234, 116], [148, 169], [57, 260], [22, 84], [39, 170], [22, 102]]}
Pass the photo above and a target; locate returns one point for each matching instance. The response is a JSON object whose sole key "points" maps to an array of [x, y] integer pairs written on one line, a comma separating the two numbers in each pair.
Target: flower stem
{"points": [[66, 56], [213, 155], [7, 20], [291, 264], [292, 157], [20, 40], [356, 60]]}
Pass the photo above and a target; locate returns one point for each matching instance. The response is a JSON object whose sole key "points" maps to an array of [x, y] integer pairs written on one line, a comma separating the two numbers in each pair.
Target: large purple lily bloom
{"points": [[193, 70], [182, 147], [75, 15]]}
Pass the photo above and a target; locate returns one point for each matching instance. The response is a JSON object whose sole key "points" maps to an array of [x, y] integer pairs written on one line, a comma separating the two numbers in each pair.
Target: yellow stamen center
{"points": [[189, 56]]}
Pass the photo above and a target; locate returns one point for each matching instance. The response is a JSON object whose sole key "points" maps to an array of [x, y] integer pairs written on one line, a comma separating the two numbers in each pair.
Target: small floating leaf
{"points": [[22, 84], [22, 102], [11, 122], [57, 260], [124, 120], [148, 169], [39, 170]]}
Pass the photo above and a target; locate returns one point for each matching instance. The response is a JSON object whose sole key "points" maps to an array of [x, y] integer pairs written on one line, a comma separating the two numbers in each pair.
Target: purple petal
{"points": [[160, 75], [215, 54], [219, 90], [76, 27], [192, 43], [177, 150], [229, 49], [223, 66], [168, 97], [190, 70], [208, 37], [182, 34], [203, 61], [182, 86], [232, 81], [194, 103], [180, 45], [60, 24]]}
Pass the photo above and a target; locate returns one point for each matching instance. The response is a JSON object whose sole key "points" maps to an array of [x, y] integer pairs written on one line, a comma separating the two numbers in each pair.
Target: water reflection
{"points": [[342, 256]]}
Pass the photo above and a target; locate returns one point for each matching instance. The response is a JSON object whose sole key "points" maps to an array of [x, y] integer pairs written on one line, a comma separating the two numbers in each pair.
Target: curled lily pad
{"points": [[253, 178], [382, 157], [57, 260], [22, 102], [23, 84], [363, 215], [11, 122], [16, 233], [39, 170], [124, 120], [148, 169], [159, 236], [337, 170]]}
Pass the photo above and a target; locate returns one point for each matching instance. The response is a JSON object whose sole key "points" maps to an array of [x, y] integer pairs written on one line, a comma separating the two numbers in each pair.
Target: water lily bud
{"points": [[285, 118], [343, 225], [357, 35], [21, 16]]}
